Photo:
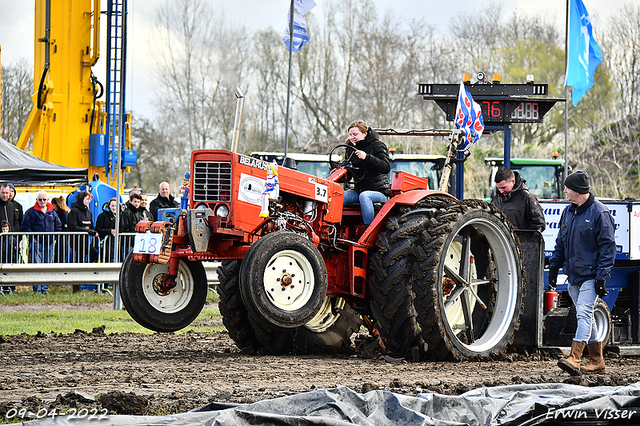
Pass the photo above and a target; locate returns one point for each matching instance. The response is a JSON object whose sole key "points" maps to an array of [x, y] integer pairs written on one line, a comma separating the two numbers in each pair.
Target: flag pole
{"points": [[566, 96], [286, 127]]}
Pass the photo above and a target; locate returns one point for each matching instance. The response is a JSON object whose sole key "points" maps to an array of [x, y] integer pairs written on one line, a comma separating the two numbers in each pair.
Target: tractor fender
{"points": [[408, 198]]}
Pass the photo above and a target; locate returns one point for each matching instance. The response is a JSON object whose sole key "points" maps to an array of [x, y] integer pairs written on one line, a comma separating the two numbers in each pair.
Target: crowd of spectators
{"points": [[56, 233]]}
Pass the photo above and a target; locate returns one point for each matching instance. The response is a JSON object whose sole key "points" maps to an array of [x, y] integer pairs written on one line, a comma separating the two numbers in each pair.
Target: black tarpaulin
{"points": [[23, 169], [535, 404]]}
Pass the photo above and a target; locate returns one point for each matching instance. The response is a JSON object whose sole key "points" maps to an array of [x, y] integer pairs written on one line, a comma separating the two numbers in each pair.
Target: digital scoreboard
{"points": [[501, 103]]}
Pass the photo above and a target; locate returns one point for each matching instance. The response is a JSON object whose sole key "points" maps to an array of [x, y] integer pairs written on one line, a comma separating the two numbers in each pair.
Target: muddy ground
{"points": [[162, 374]]}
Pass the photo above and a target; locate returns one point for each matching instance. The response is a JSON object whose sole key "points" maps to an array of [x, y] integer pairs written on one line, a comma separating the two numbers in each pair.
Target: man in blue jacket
{"points": [[586, 250], [41, 218]]}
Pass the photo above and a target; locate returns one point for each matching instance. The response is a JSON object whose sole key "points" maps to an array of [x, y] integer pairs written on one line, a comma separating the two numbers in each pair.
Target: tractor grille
{"points": [[212, 181]]}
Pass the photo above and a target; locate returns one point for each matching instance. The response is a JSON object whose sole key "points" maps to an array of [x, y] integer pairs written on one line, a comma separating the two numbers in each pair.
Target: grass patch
{"points": [[67, 321], [57, 294]]}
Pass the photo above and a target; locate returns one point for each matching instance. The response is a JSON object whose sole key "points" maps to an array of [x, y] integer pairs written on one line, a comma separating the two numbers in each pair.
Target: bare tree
{"points": [[17, 88], [623, 57], [201, 61]]}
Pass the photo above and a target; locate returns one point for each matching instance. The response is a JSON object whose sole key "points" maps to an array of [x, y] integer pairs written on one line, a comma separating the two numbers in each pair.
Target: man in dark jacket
{"points": [[586, 251], [12, 198], [514, 199], [8, 209], [41, 218], [371, 157], [132, 214], [164, 200]]}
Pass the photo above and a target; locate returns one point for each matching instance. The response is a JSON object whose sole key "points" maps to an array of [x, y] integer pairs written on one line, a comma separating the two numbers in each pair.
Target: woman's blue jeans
{"points": [[584, 298], [366, 200]]}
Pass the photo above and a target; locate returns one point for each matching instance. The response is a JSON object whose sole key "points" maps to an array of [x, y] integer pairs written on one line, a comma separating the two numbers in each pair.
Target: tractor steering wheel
{"points": [[355, 174]]}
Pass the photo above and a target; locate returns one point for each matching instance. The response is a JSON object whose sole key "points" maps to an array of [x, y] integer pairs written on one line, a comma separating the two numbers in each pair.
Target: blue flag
{"points": [[300, 35], [468, 117], [583, 53]]}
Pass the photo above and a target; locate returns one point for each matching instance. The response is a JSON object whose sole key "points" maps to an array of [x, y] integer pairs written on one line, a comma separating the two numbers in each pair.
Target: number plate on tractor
{"points": [[147, 243]]}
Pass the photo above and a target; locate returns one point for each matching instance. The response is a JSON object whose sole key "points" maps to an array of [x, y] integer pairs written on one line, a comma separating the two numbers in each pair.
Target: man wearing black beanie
{"points": [[585, 249]]}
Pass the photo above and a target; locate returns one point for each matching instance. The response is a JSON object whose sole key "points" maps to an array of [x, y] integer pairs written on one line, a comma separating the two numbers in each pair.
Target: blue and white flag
{"points": [[300, 35], [583, 53], [468, 118]]}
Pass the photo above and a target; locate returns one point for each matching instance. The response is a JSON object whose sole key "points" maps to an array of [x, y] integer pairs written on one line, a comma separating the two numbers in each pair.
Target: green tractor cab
{"points": [[544, 176]]}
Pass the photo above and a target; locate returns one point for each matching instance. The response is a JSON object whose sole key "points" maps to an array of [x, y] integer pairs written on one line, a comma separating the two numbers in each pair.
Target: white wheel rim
{"points": [[177, 298], [325, 318], [602, 324], [455, 316], [289, 280], [504, 298]]}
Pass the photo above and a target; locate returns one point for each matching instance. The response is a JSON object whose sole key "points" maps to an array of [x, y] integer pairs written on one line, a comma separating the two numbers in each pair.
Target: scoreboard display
{"points": [[501, 103]]}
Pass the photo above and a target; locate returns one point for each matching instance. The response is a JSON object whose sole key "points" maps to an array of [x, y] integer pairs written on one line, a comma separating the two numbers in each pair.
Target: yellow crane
{"points": [[68, 125]]}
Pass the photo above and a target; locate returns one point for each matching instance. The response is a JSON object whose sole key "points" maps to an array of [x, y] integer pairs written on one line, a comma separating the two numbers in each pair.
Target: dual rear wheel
{"points": [[446, 281]]}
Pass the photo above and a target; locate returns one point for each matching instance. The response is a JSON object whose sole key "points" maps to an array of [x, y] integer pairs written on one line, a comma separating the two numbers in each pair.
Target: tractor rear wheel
{"points": [[447, 280], [235, 316], [156, 306]]}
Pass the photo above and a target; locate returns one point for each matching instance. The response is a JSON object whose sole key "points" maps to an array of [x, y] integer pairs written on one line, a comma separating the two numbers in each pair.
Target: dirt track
{"points": [[161, 374]]}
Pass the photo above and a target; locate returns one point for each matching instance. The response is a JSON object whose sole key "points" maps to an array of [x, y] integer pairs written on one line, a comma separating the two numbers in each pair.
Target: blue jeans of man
{"points": [[366, 200], [41, 253], [584, 298]]}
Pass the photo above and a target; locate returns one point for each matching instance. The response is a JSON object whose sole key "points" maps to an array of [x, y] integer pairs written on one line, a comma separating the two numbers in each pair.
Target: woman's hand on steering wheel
{"points": [[356, 173]]}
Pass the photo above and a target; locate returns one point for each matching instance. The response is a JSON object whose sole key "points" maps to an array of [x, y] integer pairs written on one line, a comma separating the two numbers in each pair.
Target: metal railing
{"points": [[65, 258]]}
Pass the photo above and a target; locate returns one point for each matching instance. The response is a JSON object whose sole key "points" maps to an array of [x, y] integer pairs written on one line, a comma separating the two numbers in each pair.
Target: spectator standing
{"points": [[146, 214], [8, 251], [514, 199], [81, 220], [8, 209], [164, 200], [132, 214], [12, 198], [133, 191], [106, 221], [41, 218], [106, 227], [62, 210], [586, 250]]}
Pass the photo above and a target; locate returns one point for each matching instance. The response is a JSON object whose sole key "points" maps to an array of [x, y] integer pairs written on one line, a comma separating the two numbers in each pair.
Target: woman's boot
{"points": [[596, 359], [571, 364]]}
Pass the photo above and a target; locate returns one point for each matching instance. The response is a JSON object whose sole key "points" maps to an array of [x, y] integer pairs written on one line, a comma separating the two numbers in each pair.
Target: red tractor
{"points": [[432, 276]]}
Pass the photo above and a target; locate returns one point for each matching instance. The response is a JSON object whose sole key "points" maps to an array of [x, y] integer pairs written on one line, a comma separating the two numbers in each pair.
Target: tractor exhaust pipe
{"points": [[237, 119]]}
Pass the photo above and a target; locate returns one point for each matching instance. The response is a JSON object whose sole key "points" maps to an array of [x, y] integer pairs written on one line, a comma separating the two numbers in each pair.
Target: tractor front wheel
{"points": [[283, 279], [156, 302]]}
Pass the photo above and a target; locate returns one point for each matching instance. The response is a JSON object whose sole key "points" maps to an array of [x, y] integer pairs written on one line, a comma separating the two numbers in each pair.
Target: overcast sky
{"points": [[16, 27]]}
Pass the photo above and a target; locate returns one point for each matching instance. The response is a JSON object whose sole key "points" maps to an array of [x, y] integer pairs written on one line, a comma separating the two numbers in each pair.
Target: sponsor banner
{"points": [[619, 210]]}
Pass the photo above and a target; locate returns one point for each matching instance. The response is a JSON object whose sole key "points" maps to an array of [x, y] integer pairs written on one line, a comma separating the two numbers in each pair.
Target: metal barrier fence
{"points": [[64, 258]]}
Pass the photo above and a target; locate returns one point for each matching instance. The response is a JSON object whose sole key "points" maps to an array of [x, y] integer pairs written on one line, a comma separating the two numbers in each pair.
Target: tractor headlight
{"points": [[222, 210]]}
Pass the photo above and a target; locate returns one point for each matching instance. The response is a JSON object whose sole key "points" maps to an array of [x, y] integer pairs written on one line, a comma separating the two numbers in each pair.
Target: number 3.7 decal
{"points": [[147, 243], [321, 192]]}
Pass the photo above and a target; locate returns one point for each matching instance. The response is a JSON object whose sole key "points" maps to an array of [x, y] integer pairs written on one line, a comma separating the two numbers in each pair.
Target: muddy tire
{"points": [[235, 316], [283, 279], [333, 322], [158, 310], [604, 325], [436, 262], [329, 331]]}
